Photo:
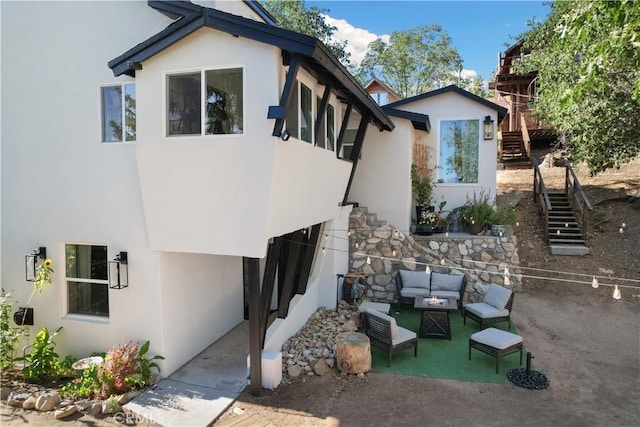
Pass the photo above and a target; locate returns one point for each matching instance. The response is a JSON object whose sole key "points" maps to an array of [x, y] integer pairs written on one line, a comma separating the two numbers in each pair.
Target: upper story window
{"points": [[326, 131], [118, 112], [381, 98], [86, 271], [209, 102], [306, 114], [459, 143]]}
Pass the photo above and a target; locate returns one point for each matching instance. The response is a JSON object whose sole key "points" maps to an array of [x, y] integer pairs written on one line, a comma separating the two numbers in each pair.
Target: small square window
{"points": [[86, 271]]}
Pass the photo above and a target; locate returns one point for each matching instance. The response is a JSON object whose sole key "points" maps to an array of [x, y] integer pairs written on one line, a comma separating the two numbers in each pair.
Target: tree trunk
{"points": [[353, 352]]}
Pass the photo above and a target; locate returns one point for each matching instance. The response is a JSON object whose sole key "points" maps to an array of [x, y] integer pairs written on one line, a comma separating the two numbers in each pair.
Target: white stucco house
{"points": [[211, 147]]}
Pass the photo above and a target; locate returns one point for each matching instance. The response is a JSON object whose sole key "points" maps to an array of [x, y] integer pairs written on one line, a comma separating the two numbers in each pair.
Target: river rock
{"points": [[47, 401]]}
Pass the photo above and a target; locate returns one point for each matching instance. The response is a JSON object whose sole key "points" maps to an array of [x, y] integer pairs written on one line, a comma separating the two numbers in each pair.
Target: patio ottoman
{"points": [[496, 343]]}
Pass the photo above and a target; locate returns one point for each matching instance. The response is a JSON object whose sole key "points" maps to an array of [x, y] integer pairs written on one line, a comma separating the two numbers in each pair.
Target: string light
{"points": [[326, 237], [368, 260], [624, 225], [616, 293], [323, 251], [428, 269], [356, 245], [621, 230], [393, 253], [507, 276], [594, 283]]}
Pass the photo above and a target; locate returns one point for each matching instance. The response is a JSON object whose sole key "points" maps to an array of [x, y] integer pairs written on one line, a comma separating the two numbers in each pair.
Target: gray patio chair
{"points": [[385, 334]]}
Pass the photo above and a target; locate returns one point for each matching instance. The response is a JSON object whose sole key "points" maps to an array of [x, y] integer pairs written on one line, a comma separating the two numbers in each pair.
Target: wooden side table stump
{"points": [[353, 353]]}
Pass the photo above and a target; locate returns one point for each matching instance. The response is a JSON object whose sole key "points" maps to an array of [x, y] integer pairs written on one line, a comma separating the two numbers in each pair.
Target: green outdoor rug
{"points": [[441, 358]]}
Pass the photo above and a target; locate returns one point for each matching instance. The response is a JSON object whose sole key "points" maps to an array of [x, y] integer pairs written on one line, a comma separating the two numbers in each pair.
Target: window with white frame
{"points": [[118, 112], [207, 102], [86, 275], [458, 158]]}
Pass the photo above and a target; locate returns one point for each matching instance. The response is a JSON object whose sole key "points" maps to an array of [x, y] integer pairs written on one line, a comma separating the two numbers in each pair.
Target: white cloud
{"points": [[468, 74], [358, 39]]}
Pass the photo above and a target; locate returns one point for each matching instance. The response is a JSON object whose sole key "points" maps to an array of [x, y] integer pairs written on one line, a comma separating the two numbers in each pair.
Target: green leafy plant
{"points": [[9, 336], [85, 386], [41, 363], [422, 185], [146, 364], [504, 214], [479, 209]]}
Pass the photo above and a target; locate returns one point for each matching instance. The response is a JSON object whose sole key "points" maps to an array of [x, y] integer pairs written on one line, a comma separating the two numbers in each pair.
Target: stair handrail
{"points": [[540, 195], [526, 140], [577, 197]]}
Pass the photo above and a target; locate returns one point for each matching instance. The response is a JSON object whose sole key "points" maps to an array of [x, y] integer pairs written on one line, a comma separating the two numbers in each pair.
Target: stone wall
{"points": [[380, 250]]}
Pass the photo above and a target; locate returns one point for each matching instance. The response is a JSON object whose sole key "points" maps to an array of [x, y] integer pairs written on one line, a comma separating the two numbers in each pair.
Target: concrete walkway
{"points": [[201, 390]]}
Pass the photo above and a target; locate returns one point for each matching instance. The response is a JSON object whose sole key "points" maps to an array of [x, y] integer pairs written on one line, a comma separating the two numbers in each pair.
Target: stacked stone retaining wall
{"points": [[380, 251]]}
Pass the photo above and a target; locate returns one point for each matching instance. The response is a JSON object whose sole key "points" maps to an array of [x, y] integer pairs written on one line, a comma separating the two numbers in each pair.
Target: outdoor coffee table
{"points": [[434, 321]]}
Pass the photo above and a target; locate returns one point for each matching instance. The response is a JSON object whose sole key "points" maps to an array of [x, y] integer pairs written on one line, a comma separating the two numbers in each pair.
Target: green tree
{"points": [[294, 15], [413, 61], [587, 56]]}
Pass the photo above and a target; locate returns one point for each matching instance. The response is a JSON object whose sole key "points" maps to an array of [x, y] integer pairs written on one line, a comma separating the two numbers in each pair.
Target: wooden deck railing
{"points": [[577, 197], [540, 195]]}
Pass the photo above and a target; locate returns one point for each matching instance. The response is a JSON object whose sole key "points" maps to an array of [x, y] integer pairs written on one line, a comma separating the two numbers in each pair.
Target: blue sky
{"points": [[478, 29]]}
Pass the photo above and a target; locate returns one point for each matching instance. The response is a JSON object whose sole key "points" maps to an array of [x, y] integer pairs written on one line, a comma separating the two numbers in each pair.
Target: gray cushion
{"points": [[414, 292], [497, 296], [395, 333], [485, 311], [414, 279], [446, 282], [403, 335], [496, 338]]}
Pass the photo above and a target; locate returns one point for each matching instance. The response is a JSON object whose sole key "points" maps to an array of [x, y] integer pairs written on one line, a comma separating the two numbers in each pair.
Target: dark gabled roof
{"points": [[453, 88], [258, 8], [419, 121], [314, 55]]}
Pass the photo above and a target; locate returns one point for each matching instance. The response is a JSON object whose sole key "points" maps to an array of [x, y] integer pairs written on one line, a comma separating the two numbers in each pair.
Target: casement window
{"points": [[326, 130], [86, 275], [118, 112], [458, 158], [208, 102], [306, 114]]}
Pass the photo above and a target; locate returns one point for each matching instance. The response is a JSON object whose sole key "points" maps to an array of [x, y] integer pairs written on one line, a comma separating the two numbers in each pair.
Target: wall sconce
{"points": [[119, 272], [285, 135], [488, 128], [31, 262]]}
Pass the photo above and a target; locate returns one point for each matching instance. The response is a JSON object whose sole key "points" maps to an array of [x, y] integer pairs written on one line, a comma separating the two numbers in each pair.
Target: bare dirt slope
{"points": [[587, 344]]}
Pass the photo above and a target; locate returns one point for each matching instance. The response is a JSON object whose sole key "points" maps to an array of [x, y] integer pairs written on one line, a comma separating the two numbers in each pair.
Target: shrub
{"points": [[9, 336], [41, 363]]}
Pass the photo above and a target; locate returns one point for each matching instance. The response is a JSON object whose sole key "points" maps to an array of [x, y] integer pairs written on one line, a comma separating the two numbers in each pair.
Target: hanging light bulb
{"points": [[323, 250], [594, 283], [557, 231], [368, 259], [428, 269], [393, 253], [442, 261], [356, 245], [621, 230], [446, 234], [349, 233], [507, 276], [517, 223], [326, 237], [616, 293], [396, 234], [566, 225]]}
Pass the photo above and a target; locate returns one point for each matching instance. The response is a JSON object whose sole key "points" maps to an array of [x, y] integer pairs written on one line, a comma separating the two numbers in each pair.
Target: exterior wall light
{"points": [[31, 262], [488, 128], [119, 272], [285, 135]]}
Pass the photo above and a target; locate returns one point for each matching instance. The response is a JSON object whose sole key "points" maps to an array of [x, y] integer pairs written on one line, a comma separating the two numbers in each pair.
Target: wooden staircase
{"points": [[512, 152], [563, 226]]}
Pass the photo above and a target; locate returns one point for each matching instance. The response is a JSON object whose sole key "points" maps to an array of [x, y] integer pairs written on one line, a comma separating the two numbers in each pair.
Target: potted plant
{"points": [[504, 215], [422, 186], [478, 212]]}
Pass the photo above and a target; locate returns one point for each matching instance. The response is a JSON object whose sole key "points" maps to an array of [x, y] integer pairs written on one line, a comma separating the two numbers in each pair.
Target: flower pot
{"points": [[475, 228], [423, 230]]}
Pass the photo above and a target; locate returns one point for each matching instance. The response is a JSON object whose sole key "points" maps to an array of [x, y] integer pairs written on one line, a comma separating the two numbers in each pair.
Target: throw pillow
{"points": [[446, 282], [415, 279], [497, 296]]}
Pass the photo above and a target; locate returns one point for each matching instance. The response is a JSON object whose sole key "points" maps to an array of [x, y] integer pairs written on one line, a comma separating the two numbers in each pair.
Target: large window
{"points": [[213, 108], [459, 142], [87, 279], [118, 113]]}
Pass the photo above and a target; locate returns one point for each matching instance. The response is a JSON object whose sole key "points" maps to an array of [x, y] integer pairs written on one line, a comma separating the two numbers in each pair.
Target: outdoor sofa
{"points": [[411, 284]]}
